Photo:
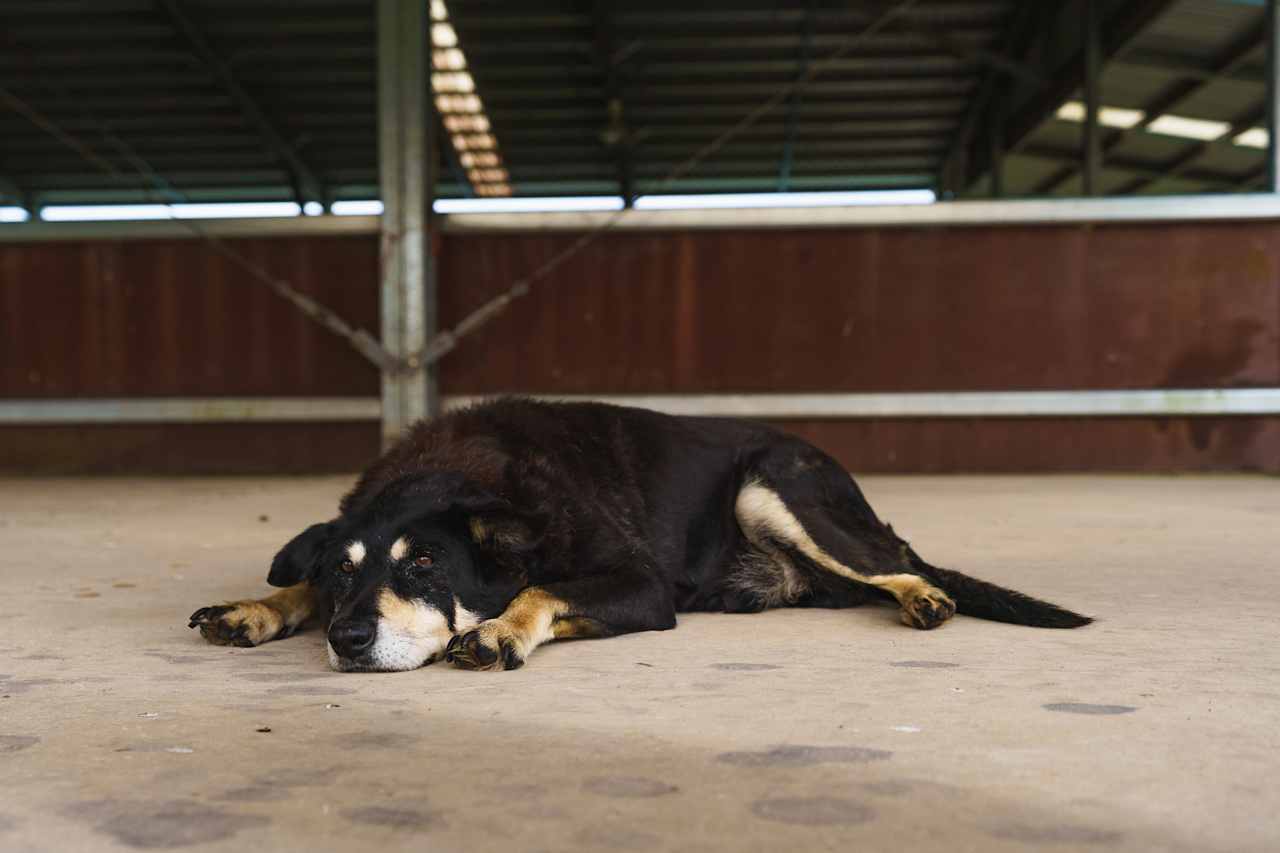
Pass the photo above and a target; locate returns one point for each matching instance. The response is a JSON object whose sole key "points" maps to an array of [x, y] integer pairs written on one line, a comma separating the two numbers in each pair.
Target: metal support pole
{"points": [[1273, 96], [1092, 154], [408, 272]]}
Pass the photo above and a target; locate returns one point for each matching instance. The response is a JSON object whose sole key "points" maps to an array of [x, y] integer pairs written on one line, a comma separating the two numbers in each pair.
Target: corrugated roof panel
{"points": [[884, 113], [1199, 27]]}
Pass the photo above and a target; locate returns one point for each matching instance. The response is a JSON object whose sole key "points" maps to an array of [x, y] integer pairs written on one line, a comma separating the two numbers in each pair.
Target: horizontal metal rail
{"points": [[156, 229], [189, 410], [1200, 208], [1159, 209], [1192, 402]]}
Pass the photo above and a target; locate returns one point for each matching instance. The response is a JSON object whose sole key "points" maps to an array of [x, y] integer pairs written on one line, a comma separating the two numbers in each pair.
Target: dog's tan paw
{"points": [[491, 646], [927, 609], [240, 623]]}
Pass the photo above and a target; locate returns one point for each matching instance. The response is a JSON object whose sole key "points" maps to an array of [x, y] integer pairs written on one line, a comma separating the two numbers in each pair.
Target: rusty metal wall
{"points": [[154, 318], [998, 308], [878, 310]]}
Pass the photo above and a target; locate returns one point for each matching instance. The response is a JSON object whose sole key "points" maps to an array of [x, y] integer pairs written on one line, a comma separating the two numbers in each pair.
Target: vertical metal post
{"points": [[1273, 96], [1092, 153], [408, 272]]}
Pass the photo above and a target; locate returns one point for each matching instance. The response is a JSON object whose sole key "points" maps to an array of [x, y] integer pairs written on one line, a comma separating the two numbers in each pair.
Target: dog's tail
{"points": [[984, 600]]}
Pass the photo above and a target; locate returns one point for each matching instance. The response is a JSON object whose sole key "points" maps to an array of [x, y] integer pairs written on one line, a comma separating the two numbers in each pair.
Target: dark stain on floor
{"points": [[390, 817], [17, 743], [795, 755], [292, 779], [813, 811], [181, 660], [889, 787], [924, 664], [627, 787], [22, 685], [281, 677], [1086, 708], [253, 794], [311, 690], [176, 749], [1055, 834], [614, 838], [163, 825], [519, 790], [377, 740]]}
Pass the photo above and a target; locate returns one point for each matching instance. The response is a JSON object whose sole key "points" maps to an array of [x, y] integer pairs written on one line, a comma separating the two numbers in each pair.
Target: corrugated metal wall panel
{"points": [[860, 310], [171, 318], [875, 310]]}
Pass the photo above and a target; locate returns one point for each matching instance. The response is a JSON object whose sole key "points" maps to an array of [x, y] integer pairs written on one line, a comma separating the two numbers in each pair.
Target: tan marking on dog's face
{"points": [[399, 548], [355, 552], [409, 634]]}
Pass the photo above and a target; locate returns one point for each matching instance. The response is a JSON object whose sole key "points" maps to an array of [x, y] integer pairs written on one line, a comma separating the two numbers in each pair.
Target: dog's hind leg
{"points": [[602, 605], [253, 622], [799, 501]]}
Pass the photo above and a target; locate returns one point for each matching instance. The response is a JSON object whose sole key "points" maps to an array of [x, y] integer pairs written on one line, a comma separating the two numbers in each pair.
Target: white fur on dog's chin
{"points": [[414, 636]]}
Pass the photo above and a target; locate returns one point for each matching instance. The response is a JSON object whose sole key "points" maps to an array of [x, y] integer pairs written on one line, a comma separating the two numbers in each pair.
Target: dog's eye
{"points": [[424, 561], [348, 566]]}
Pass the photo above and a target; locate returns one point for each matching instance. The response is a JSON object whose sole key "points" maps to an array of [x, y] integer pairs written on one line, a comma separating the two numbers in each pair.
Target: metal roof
{"points": [[276, 99], [1203, 59]]}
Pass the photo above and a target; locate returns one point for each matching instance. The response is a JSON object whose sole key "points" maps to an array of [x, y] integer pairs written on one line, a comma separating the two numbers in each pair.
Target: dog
{"points": [[491, 530]]}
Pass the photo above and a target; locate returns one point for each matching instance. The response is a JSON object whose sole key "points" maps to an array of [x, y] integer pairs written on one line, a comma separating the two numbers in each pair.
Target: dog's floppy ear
{"points": [[494, 523], [300, 559]]}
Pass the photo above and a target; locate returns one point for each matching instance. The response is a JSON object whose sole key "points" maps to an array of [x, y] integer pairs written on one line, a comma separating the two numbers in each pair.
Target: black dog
{"points": [[492, 530]]}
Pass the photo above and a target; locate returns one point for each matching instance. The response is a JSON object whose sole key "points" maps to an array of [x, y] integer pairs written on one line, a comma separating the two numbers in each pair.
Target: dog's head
{"points": [[407, 570]]}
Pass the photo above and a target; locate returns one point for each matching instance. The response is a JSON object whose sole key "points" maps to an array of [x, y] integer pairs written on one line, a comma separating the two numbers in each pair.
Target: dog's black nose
{"points": [[351, 639]]}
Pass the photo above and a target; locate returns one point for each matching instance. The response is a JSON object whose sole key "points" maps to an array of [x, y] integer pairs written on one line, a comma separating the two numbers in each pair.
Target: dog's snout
{"points": [[351, 639]]}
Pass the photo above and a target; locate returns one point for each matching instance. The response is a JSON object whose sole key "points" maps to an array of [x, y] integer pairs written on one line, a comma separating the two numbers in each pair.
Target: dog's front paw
{"points": [[928, 609], [491, 646], [241, 623]]}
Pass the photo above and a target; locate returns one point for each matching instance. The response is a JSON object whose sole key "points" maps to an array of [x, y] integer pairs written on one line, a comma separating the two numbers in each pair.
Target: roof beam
{"points": [[9, 190], [616, 135], [1146, 172], [942, 40], [1023, 27], [308, 184], [1226, 64], [793, 102], [1183, 162], [1118, 31], [1271, 101], [1188, 67]]}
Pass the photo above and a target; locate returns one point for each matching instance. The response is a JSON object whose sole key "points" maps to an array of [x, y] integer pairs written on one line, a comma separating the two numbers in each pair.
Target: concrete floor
{"points": [[1155, 729]]}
